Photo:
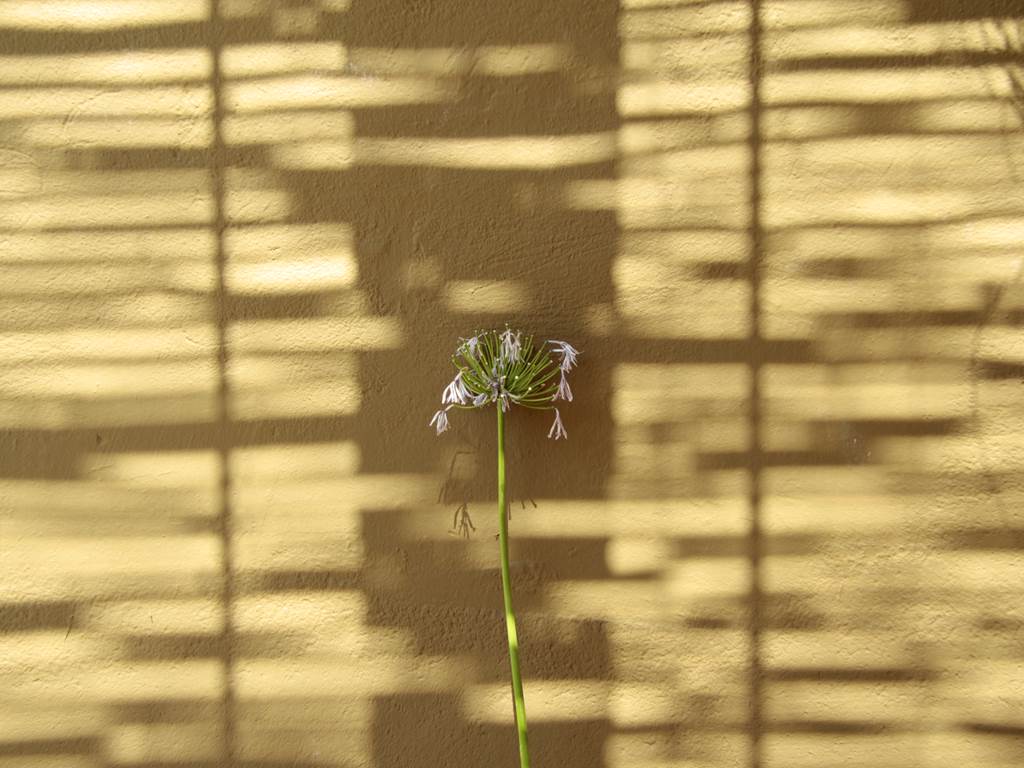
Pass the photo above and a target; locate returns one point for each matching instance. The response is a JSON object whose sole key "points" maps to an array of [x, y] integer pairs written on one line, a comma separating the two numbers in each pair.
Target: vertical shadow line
{"points": [[755, 359], [222, 431]]}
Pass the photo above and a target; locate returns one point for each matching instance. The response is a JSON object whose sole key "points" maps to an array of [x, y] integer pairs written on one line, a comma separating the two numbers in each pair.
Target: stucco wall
{"points": [[237, 244]]}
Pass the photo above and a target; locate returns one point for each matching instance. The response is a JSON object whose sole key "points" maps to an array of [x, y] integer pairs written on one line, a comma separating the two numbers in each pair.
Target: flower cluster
{"points": [[508, 369]]}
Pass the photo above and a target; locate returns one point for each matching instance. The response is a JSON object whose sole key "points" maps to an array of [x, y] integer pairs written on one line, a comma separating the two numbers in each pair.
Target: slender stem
{"points": [[506, 592]]}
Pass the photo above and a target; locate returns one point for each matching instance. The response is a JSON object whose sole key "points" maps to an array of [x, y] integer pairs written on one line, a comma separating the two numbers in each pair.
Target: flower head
{"points": [[507, 368]]}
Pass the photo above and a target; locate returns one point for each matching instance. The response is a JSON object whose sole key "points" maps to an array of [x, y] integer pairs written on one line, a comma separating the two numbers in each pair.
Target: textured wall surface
{"points": [[238, 239]]}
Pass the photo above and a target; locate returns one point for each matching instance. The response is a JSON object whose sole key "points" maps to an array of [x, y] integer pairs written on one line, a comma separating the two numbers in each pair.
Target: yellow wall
{"points": [[237, 243]]}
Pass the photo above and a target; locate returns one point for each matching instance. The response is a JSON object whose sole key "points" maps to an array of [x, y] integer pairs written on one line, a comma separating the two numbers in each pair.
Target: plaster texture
{"points": [[238, 242]]}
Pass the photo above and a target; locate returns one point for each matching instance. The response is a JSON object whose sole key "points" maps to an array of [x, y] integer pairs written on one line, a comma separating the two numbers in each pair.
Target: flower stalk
{"points": [[506, 593], [506, 369]]}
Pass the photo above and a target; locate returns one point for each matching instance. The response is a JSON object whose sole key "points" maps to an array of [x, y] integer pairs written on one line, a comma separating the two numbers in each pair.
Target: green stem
{"points": [[506, 592]]}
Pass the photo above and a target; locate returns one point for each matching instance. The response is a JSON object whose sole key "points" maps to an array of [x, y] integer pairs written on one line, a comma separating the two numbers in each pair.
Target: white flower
{"points": [[564, 392], [455, 392], [441, 419], [557, 430], [510, 344], [499, 367], [568, 352]]}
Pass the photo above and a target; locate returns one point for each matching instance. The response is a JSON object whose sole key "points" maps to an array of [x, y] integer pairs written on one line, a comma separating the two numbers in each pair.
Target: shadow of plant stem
{"points": [[462, 522]]}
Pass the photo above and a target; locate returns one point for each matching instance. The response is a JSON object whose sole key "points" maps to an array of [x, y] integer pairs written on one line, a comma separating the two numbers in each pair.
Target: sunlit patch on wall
{"points": [[252, 196], [724, 161], [319, 335], [422, 273], [185, 680], [682, 19], [362, 677], [295, 462], [549, 700], [686, 248], [239, 61], [844, 501], [123, 246], [151, 742], [20, 174], [795, 301], [513, 61], [512, 152], [672, 420], [808, 750], [288, 259], [278, 534], [862, 392], [653, 392], [168, 616], [875, 39], [624, 600], [797, 122], [284, 127], [104, 380], [794, 14], [173, 469], [641, 138], [635, 555], [126, 68], [286, 384], [999, 455], [98, 14], [996, 234], [671, 98], [652, 306], [721, 54], [72, 508], [112, 280], [23, 719], [84, 202], [298, 509], [312, 155], [320, 91], [121, 133], [116, 377], [493, 60], [72, 566], [315, 625], [661, 203], [696, 578], [495, 296], [183, 101], [873, 86]]}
